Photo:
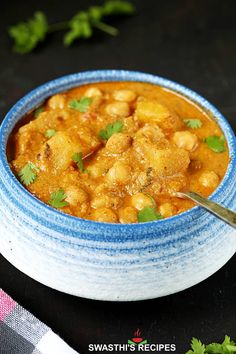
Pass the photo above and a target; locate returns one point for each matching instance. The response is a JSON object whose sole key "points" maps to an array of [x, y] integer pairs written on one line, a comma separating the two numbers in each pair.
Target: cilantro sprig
{"points": [[27, 35], [216, 143], [149, 214], [81, 105], [227, 347], [193, 123], [28, 173], [78, 159], [57, 199], [111, 129]]}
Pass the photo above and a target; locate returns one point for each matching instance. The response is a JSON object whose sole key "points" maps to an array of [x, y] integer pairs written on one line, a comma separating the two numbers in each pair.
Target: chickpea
{"points": [[57, 101], [130, 125], [118, 109], [119, 173], [105, 201], [127, 215], [140, 201], [186, 140], [167, 210], [124, 95], [97, 170], [152, 132], [104, 215], [209, 179], [118, 143], [76, 195], [92, 92]]}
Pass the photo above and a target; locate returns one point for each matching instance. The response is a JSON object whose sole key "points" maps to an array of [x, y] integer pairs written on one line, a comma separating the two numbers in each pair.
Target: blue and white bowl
{"points": [[111, 261]]}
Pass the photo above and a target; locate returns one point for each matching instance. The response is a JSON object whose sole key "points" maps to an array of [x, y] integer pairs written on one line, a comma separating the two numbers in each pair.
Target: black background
{"points": [[192, 42]]}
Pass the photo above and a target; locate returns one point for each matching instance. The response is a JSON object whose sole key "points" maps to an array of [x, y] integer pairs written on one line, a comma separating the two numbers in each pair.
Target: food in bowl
{"points": [[114, 261], [118, 152]]}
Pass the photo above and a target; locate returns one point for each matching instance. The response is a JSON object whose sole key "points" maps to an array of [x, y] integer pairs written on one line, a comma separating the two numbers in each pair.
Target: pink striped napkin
{"points": [[22, 333]]}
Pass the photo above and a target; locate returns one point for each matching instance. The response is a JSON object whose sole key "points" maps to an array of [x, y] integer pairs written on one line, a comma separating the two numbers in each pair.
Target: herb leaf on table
{"points": [[227, 347], [197, 347], [27, 35]]}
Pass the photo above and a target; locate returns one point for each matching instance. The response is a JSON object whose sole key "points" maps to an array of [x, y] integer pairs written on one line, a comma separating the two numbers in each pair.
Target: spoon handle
{"points": [[223, 213]]}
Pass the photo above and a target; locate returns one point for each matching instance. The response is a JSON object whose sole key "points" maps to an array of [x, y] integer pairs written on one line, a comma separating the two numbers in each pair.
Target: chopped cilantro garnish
{"points": [[193, 123], [57, 199], [50, 133], [28, 174], [78, 159], [80, 105], [148, 214], [227, 347], [111, 129], [216, 143], [38, 111]]}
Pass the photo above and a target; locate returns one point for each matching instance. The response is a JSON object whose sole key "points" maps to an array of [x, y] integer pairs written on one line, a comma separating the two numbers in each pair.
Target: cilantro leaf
{"points": [[197, 347], [78, 159], [148, 214], [118, 7], [80, 27], [216, 143], [28, 34], [81, 105], [28, 174], [111, 129], [57, 199], [214, 348], [227, 347], [229, 344], [50, 133], [193, 123], [38, 111]]}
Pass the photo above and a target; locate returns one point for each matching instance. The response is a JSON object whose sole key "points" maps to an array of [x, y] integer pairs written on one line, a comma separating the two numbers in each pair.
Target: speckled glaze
{"points": [[111, 261]]}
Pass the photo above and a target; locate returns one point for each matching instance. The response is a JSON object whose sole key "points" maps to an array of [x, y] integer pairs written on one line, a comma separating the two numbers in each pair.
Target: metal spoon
{"points": [[218, 210]]}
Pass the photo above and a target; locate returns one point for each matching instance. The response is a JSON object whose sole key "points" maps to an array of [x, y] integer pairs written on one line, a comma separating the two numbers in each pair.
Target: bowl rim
{"points": [[67, 82]]}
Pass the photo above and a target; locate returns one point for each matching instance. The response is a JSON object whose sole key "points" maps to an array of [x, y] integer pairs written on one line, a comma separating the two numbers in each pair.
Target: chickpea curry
{"points": [[118, 152]]}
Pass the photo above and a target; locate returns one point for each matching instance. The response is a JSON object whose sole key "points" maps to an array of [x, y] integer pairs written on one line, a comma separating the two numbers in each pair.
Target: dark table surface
{"points": [[192, 42]]}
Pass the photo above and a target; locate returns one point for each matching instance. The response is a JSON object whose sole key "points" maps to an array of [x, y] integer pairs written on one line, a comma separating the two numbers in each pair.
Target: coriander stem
{"points": [[58, 26], [106, 28]]}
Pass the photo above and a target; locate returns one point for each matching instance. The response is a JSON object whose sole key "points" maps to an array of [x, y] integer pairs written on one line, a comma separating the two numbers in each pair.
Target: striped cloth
{"points": [[22, 333]]}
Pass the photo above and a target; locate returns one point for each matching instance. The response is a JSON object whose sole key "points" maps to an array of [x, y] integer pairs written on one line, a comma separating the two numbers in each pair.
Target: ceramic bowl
{"points": [[112, 261]]}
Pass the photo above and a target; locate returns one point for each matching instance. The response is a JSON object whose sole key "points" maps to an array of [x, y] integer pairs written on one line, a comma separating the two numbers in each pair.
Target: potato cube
{"points": [[150, 111], [60, 149], [165, 162], [168, 162]]}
